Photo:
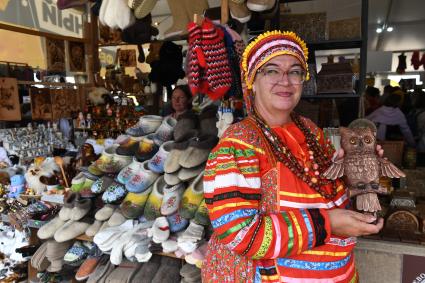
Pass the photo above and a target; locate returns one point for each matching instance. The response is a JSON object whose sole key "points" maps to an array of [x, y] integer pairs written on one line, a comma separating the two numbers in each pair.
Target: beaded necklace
{"points": [[318, 160]]}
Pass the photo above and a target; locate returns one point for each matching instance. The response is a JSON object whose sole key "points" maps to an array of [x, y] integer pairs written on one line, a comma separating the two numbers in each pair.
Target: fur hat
{"points": [[168, 69], [96, 95], [140, 32]]}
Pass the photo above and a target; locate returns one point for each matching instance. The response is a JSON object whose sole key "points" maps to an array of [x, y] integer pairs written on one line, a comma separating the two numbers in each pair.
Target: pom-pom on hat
{"points": [[269, 45]]}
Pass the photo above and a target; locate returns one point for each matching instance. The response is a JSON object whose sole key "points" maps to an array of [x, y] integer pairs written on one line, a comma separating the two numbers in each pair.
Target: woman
{"points": [[274, 218], [181, 101], [390, 121]]}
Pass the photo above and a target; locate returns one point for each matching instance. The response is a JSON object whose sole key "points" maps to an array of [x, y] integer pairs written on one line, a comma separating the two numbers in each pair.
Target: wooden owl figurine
{"points": [[361, 168]]}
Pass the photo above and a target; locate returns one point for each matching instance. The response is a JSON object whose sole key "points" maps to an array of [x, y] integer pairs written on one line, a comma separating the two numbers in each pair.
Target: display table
{"points": [[381, 261]]}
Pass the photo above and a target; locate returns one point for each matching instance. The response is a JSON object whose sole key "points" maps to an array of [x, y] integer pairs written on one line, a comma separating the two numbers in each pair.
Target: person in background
{"points": [[372, 100], [275, 219], [391, 122], [181, 101], [419, 116]]}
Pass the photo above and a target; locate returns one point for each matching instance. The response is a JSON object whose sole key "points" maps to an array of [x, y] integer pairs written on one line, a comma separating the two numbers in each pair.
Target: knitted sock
{"points": [[195, 57], [415, 60], [218, 73]]}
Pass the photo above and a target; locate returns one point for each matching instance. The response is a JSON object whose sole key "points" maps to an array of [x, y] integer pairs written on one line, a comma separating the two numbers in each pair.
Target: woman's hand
{"points": [[349, 223]]}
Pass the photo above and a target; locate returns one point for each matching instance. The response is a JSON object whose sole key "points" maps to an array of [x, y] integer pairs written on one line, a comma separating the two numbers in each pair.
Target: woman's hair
{"points": [[185, 89], [393, 100]]}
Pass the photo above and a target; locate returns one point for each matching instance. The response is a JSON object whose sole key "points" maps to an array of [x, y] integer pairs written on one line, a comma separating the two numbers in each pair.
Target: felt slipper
{"points": [[114, 193], [72, 229], [142, 180], [76, 254], [169, 271], [117, 218], [201, 214], [105, 212], [129, 147], [101, 184], [172, 198], [147, 148], [156, 163], [134, 203], [94, 228], [189, 271], [160, 230], [68, 203], [186, 123], [87, 268], [153, 205], [39, 260], [172, 179], [77, 182], [187, 174], [129, 171], [48, 230], [165, 131], [80, 209], [192, 197], [198, 150], [147, 124], [177, 222]]}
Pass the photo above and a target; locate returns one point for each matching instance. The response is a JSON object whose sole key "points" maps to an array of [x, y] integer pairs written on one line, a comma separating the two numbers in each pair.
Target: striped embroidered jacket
{"points": [[268, 225]]}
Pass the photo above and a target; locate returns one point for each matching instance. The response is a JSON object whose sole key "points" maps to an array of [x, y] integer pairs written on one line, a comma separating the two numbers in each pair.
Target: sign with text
{"points": [[413, 269], [42, 15]]}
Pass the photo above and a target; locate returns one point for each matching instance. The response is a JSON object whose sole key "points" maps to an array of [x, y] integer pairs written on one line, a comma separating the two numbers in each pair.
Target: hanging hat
{"points": [[264, 48]]}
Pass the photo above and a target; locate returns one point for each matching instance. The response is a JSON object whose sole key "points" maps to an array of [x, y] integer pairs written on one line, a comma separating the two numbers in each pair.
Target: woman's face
{"points": [[276, 86], [179, 101]]}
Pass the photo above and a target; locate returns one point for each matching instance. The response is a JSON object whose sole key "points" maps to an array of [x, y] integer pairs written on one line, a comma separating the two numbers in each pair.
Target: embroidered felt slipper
{"points": [[129, 147], [156, 163], [101, 184], [142, 180], [92, 169], [165, 131], [192, 197], [147, 124], [77, 182], [105, 212], [107, 162], [114, 193], [201, 214], [86, 189], [172, 198], [177, 222], [76, 254], [129, 171], [134, 203], [147, 148], [153, 205]]}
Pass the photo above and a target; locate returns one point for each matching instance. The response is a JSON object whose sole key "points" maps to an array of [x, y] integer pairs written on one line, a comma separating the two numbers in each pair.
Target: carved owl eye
{"points": [[367, 139], [353, 140]]}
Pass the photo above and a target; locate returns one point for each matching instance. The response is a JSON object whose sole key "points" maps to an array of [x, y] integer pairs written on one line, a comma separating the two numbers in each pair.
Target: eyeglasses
{"points": [[273, 75]]}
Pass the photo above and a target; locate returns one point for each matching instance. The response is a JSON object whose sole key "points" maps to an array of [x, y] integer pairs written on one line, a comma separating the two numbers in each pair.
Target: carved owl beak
{"points": [[360, 143]]}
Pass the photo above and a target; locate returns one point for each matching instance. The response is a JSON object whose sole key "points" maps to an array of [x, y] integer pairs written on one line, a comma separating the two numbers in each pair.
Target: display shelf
{"points": [[335, 44], [331, 95], [31, 222]]}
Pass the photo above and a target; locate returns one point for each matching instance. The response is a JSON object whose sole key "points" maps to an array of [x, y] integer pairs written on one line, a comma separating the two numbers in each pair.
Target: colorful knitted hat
{"points": [[264, 48]]}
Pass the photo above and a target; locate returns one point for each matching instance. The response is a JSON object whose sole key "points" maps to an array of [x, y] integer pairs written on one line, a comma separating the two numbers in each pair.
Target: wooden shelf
{"points": [[335, 44]]}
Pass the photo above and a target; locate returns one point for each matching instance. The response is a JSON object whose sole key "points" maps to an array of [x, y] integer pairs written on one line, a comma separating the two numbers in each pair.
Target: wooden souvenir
{"points": [[127, 58], [402, 220], [76, 57], [361, 168], [310, 27], [10, 109], [41, 104], [55, 55], [336, 78]]}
